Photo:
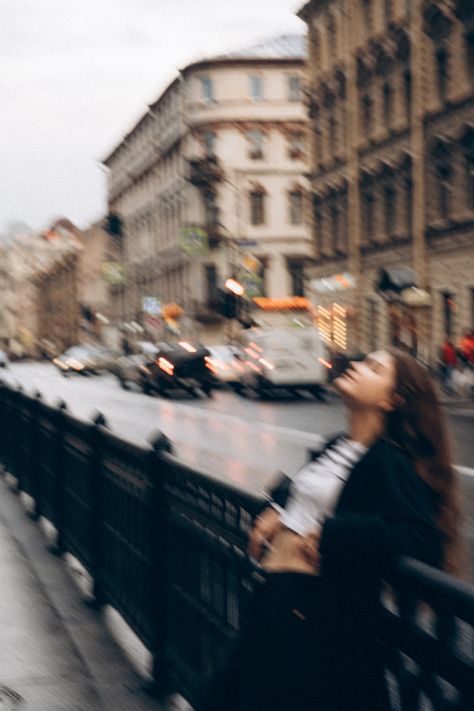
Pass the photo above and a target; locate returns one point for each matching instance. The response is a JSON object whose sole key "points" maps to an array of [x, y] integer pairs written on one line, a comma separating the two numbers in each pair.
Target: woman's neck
{"points": [[365, 426]]}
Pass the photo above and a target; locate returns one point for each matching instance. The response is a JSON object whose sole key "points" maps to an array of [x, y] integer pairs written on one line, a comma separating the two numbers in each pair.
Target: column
{"points": [[277, 277]]}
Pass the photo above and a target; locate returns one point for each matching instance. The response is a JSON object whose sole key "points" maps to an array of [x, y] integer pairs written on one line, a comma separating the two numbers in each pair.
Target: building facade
{"points": [[391, 113], [210, 184]]}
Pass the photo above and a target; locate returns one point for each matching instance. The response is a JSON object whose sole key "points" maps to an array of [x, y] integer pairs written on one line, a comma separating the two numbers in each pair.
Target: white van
{"points": [[290, 358]]}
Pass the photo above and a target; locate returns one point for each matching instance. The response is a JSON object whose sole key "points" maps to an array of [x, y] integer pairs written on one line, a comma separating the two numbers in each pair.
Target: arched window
{"points": [[443, 172], [389, 207], [387, 11], [331, 35], [407, 94], [318, 223], [367, 16], [366, 114], [442, 72], [468, 151], [332, 125], [315, 47], [367, 211], [387, 102]]}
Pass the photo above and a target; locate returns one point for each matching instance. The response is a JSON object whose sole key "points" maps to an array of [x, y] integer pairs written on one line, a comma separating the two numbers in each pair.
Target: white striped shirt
{"points": [[315, 489]]}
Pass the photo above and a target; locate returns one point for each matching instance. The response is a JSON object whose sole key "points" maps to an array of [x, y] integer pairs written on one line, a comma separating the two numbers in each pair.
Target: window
{"points": [[449, 309], [209, 141], [211, 209], [256, 87], [387, 100], [367, 215], [318, 144], [296, 145], [367, 16], [366, 115], [335, 227], [469, 168], [443, 170], [207, 89], [332, 133], [257, 207], [318, 224], [296, 269], [255, 140], [470, 55], [331, 33], [296, 207], [211, 279], [387, 11], [407, 94], [294, 88], [389, 200], [441, 61], [373, 324]]}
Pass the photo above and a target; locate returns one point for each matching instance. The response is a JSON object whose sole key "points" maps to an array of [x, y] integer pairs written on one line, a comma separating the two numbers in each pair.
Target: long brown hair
{"points": [[418, 426]]}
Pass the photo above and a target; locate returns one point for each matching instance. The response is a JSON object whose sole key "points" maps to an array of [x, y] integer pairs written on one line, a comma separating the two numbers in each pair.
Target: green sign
{"points": [[194, 241], [252, 283], [114, 272]]}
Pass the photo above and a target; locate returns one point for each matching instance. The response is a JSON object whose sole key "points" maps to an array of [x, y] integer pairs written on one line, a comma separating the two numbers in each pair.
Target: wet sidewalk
{"points": [[56, 653]]}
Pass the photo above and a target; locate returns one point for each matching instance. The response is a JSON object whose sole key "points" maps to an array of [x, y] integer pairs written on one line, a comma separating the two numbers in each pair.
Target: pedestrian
{"points": [[466, 348], [448, 362], [386, 489]]}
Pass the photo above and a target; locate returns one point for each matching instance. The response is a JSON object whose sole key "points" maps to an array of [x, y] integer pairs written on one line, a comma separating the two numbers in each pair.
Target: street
{"points": [[244, 441]]}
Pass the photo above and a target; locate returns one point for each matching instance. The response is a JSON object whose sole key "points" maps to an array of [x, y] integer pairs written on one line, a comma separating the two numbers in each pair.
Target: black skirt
{"points": [[277, 663]]}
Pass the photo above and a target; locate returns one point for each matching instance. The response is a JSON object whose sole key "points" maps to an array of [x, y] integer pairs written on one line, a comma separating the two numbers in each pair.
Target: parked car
{"points": [[4, 362], [226, 365], [290, 358], [85, 359], [135, 368], [180, 366]]}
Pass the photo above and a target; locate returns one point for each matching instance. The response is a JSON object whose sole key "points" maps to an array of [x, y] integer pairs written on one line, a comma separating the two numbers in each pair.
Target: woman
{"points": [[385, 490]]}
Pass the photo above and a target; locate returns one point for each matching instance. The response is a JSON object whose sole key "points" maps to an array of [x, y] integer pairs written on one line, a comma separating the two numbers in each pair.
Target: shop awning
{"points": [[396, 279]]}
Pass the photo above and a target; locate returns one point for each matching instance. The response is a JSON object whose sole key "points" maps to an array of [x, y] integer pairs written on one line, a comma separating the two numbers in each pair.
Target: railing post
{"points": [[96, 499], [34, 470], [162, 683], [58, 503]]}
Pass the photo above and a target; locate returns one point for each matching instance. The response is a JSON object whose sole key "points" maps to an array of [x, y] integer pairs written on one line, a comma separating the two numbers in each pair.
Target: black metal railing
{"points": [[165, 545]]}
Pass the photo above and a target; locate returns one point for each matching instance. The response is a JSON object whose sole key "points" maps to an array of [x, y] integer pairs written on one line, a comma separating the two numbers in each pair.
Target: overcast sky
{"points": [[76, 74]]}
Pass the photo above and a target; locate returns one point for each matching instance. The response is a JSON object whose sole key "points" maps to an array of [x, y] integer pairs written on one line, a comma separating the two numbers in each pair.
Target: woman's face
{"points": [[369, 384]]}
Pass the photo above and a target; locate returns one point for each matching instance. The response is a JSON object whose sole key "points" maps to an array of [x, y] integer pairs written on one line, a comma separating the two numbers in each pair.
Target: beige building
{"points": [[25, 261], [52, 288], [391, 109], [210, 183]]}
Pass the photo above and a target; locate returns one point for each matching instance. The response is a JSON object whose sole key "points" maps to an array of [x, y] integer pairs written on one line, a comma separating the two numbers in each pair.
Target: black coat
{"points": [[385, 511]]}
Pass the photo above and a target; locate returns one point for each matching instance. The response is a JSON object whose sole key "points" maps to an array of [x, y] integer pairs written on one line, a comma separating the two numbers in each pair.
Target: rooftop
{"points": [[282, 47]]}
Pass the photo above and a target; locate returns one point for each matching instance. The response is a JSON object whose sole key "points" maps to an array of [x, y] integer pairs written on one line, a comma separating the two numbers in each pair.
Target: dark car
{"points": [[180, 366]]}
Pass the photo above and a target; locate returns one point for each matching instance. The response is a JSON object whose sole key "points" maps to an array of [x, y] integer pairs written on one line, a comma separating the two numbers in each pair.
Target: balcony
{"points": [[204, 172]]}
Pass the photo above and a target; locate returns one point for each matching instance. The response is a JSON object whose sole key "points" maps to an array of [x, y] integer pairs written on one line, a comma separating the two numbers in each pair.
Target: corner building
{"points": [[211, 178], [391, 125]]}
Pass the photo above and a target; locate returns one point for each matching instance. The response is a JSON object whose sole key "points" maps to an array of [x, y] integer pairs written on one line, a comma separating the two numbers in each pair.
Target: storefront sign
{"points": [[114, 273], [194, 241], [336, 282], [151, 305]]}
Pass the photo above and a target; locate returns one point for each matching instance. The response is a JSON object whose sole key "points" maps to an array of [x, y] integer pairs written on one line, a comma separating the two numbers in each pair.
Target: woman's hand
{"points": [[310, 548], [264, 529]]}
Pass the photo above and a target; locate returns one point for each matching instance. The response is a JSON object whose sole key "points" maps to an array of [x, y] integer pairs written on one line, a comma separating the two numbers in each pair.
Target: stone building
{"points": [[391, 114], [210, 183]]}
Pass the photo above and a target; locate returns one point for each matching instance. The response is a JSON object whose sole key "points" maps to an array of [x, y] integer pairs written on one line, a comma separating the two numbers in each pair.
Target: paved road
{"points": [[244, 441]]}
